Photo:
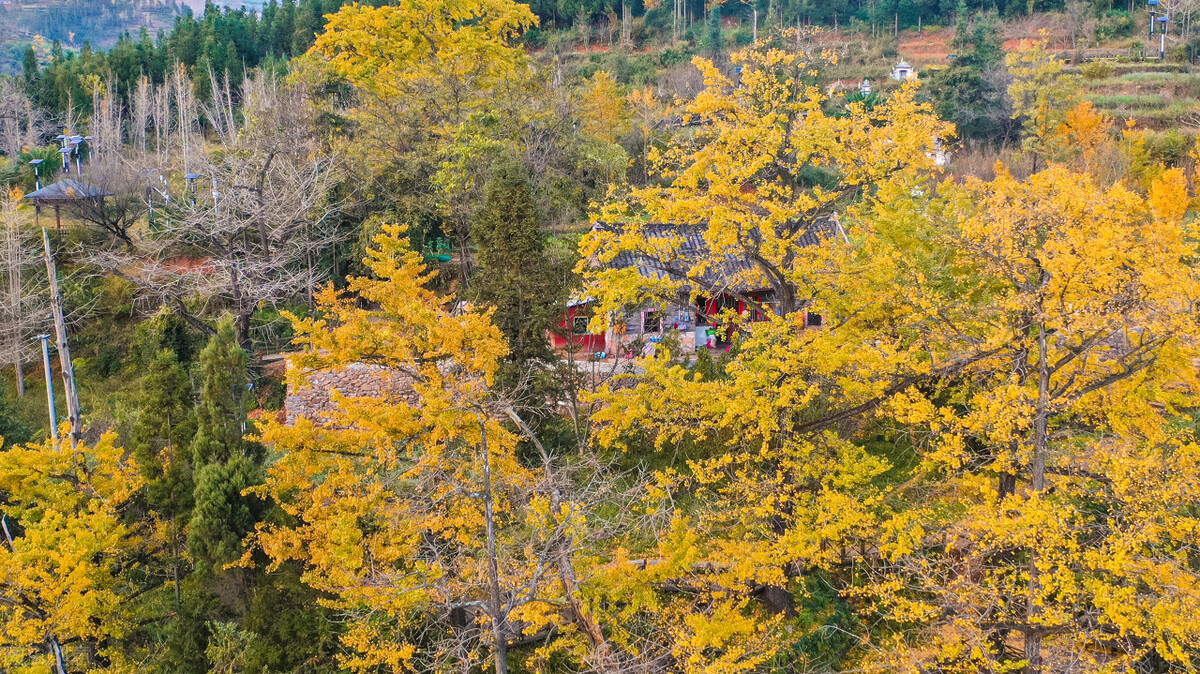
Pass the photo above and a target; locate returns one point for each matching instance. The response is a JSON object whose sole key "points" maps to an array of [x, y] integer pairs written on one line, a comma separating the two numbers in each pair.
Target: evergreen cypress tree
{"points": [[221, 412], [161, 436], [286, 22], [222, 516], [309, 22], [515, 273], [713, 38], [966, 93], [225, 462], [30, 65]]}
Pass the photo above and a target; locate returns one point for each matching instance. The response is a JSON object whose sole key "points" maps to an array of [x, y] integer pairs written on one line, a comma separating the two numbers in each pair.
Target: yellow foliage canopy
{"points": [[64, 577]]}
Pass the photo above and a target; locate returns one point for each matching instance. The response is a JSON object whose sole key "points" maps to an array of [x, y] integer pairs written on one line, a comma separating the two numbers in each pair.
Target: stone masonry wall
{"points": [[314, 400]]}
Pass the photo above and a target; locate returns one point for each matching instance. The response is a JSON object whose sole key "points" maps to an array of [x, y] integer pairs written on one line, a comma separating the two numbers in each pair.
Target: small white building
{"points": [[903, 72]]}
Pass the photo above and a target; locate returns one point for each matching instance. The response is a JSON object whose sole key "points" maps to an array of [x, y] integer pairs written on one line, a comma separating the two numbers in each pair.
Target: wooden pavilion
{"points": [[66, 192]]}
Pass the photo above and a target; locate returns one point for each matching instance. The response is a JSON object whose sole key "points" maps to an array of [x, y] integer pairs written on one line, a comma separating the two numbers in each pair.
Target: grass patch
{"points": [[1129, 102], [1176, 110]]}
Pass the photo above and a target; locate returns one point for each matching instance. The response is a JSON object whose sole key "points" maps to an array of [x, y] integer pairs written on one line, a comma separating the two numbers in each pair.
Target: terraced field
{"points": [[1155, 95]]}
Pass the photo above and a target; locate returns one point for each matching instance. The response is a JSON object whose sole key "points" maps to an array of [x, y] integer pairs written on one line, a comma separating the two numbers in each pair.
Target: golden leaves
{"points": [[62, 575], [391, 50]]}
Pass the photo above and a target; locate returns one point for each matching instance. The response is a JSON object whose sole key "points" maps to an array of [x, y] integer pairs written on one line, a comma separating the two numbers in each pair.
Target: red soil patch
{"points": [[925, 47], [186, 265]]}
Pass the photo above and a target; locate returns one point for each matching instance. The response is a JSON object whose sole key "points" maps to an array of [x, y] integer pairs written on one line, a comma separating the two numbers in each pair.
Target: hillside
{"points": [[603, 337], [74, 22]]}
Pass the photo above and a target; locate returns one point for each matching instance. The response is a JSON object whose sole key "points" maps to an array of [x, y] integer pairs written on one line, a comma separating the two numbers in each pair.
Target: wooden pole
{"points": [[64, 349]]}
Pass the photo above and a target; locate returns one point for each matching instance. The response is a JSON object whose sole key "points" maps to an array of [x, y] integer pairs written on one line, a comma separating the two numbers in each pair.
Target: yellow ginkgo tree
{"points": [[1032, 341], [436, 88], [410, 509], [761, 169], [1052, 523], [71, 561], [764, 484]]}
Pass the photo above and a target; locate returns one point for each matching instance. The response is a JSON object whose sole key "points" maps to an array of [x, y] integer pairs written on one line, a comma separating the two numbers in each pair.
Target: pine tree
{"points": [[968, 92], [515, 274], [159, 441], [221, 413], [309, 22]]}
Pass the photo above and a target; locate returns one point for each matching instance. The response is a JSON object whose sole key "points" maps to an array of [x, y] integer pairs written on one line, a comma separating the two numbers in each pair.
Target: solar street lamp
{"points": [[66, 159], [37, 171], [1153, 14], [191, 181], [75, 150], [1162, 36], [49, 385]]}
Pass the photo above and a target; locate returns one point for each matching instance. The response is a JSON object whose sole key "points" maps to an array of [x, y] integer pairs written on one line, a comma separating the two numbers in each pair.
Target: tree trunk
{"points": [[14, 279], [605, 659], [626, 25], [499, 639], [1033, 635], [242, 323]]}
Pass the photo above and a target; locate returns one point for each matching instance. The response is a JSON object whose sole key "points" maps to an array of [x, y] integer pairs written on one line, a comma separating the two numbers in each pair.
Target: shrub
{"points": [[1096, 70], [535, 39], [1168, 147]]}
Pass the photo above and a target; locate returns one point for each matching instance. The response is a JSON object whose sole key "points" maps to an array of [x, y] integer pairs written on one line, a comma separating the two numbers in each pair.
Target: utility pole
{"points": [[49, 385], [64, 349]]}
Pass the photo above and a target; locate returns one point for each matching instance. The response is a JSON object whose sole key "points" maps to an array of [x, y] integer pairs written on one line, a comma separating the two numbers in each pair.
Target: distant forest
{"points": [[74, 20], [234, 40]]}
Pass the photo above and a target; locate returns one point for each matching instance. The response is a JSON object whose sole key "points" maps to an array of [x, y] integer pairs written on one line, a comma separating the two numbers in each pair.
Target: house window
{"points": [[812, 320], [579, 324], [652, 321]]}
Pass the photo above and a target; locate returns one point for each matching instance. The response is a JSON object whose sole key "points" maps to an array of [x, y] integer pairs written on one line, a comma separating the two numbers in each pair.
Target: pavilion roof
{"points": [[67, 190]]}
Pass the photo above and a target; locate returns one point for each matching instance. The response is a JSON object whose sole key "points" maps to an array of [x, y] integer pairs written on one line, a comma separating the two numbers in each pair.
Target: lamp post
{"points": [[37, 171], [66, 159], [1162, 37], [1153, 4], [191, 181], [49, 385], [75, 151]]}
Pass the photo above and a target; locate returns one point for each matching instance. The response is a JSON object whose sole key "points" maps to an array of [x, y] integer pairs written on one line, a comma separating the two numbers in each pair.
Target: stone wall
{"points": [[314, 400]]}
